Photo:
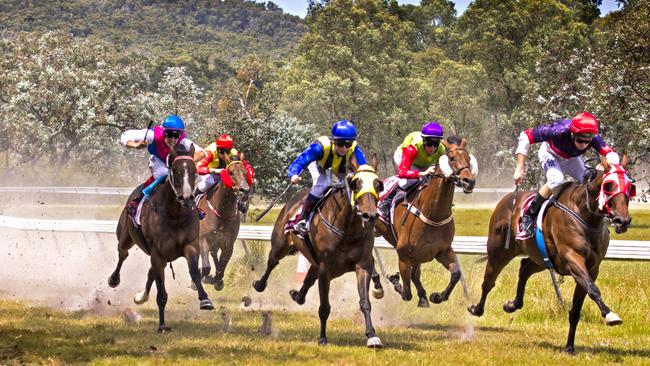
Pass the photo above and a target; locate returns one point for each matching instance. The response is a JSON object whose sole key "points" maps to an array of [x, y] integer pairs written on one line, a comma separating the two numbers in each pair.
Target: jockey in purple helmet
{"points": [[158, 142], [416, 157], [326, 154]]}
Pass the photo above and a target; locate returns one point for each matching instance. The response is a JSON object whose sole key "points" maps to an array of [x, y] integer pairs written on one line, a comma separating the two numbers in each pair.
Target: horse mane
{"points": [[454, 140]]}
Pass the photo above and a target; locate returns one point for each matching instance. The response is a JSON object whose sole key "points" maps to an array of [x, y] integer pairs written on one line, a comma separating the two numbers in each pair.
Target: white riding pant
{"points": [[157, 167], [556, 166], [321, 180], [206, 181]]}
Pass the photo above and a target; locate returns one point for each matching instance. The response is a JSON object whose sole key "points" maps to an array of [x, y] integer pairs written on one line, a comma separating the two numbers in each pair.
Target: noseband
{"points": [[170, 176]]}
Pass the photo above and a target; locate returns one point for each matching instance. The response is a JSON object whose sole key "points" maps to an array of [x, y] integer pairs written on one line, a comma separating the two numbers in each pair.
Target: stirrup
{"points": [[526, 230], [201, 213], [302, 227], [132, 207]]}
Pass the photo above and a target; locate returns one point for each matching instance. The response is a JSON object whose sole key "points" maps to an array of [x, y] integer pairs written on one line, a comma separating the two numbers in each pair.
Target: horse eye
{"points": [[608, 187]]}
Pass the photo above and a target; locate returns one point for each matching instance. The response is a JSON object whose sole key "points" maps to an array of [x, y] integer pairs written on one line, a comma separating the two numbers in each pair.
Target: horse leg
{"points": [[279, 250], [310, 279], [205, 257], [587, 280], [526, 269], [324, 308], [579, 294], [192, 258], [363, 284], [448, 260], [158, 267], [220, 267], [404, 288], [142, 297], [422, 293], [496, 262], [124, 243], [378, 289]]}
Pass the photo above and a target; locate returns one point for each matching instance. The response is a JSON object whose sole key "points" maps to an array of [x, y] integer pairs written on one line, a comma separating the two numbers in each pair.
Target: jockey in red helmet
{"points": [[562, 144]]}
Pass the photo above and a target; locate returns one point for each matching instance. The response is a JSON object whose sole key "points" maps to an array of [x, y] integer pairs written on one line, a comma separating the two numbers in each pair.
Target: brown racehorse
{"points": [[424, 224], [220, 227], [576, 241], [170, 229], [341, 240]]}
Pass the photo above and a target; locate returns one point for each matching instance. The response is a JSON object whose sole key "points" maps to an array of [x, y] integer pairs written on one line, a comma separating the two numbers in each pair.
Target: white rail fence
{"points": [[618, 249]]}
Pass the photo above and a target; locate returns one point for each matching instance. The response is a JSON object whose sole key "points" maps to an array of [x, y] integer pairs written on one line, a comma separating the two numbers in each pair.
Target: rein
{"points": [[575, 216], [410, 207]]}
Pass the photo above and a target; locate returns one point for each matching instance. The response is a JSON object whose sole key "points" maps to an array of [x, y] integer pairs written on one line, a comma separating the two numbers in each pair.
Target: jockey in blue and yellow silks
{"points": [[326, 153]]}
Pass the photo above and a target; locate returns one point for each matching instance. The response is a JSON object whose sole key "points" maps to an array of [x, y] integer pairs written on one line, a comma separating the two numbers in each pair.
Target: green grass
{"points": [[442, 334]]}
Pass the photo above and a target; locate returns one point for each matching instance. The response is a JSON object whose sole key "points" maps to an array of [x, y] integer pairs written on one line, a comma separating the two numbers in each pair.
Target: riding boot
{"points": [[527, 224], [132, 206], [386, 204], [303, 225]]}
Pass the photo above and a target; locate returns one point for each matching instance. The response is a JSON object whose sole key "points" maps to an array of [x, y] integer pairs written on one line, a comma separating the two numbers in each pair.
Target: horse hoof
{"points": [[407, 297], [436, 298], [374, 342], [473, 309], [295, 295], [612, 319], [205, 271], [378, 293], [209, 280], [322, 342], [394, 279], [570, 350], [206, 304], [164, 329], [510, 307], [218, 284], [113, 281], [259, 286], [140, 298], [423, 302]]}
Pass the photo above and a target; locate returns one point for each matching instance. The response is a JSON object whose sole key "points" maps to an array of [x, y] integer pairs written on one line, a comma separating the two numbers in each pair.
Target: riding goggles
{"points": [[431, 141], [344, 143], [172, 134]]}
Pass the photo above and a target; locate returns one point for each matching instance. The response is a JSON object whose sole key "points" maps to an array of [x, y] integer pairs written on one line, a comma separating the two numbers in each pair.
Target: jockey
{"points": [[158, 142], [415, 158], [217, 156], [563, 142], [325, 153]]}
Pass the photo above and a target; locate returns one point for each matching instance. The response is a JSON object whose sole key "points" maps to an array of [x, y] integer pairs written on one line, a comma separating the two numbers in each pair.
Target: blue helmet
{"points": [[173, 122], [344, 130], [432, 129]]}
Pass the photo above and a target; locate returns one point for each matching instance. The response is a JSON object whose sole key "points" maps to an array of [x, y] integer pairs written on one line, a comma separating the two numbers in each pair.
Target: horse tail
{"points": [[482, 259]]}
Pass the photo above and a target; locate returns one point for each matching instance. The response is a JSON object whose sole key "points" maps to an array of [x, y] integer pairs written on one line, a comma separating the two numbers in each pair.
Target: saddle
{"points": [[540, 215], [297, 216]]}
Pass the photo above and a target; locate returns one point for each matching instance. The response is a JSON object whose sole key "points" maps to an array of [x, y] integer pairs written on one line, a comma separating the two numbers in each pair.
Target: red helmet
{"points": [[225, 142], [584, 122]]}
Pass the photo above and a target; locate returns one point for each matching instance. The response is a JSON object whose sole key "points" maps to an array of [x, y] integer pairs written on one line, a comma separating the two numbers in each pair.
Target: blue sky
{"points": [[299, 7]]}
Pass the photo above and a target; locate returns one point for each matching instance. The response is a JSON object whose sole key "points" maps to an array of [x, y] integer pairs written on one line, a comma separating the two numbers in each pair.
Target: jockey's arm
{"points": [[135, 139], [313, 153], [525, 139], [605, 150], [404, 169]]}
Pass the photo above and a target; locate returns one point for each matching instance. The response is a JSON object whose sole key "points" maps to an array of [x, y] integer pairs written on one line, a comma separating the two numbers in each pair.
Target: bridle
{"points": [[170, 178]]}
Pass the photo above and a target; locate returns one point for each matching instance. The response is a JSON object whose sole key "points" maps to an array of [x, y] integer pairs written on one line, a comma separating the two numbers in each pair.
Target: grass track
{"points": [[442, 334]]}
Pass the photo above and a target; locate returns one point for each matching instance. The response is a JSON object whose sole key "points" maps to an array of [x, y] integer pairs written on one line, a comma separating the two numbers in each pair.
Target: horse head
{"points": [[459, 164], [236, 177], [182, 174], [365, 187], [615, 188]]}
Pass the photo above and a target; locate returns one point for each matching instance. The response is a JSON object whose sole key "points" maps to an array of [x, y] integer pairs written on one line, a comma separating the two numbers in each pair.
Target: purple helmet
{"points": [[432, 129]]}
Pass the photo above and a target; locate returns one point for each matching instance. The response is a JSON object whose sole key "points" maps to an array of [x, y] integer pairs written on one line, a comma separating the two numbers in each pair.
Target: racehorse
{"points": [[576, 239], [170, 229], [423, 225], [340, 240], [220, 227]]}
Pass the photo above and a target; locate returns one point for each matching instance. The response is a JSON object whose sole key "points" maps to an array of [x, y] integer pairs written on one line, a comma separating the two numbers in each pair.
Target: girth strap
{"points": [[412, 209]]}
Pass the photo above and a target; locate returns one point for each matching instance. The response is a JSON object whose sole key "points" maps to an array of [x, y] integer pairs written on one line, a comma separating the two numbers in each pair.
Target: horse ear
{"points": [[172, 152], [445, 143], [192, 150], [463, 142], [242, 157], [374, 162], [624, 161]]}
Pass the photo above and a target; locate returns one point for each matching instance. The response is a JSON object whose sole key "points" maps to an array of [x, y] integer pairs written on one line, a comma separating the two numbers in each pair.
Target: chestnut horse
{"points": [[170, 229], [424, 224], [576, 237], [220, 227], [340, 240]]}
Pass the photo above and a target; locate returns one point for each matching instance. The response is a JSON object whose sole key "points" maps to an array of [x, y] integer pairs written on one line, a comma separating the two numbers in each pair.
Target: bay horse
{"points": [[340, 240], [169, 230], [576, 237], [220, 227], [423, 225]]}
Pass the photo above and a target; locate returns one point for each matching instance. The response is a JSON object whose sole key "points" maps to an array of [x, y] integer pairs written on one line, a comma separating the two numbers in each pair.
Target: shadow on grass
{"points": [[598, 350]]}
